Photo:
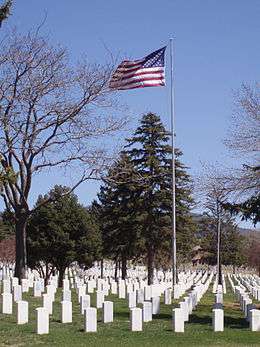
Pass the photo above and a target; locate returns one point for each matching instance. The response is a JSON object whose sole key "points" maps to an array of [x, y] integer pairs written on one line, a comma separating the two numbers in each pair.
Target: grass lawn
{"points": [[198, 331]]}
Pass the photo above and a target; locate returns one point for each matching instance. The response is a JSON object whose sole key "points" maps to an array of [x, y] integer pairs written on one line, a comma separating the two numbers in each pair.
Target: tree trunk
{"points": [[116, 268], [119, 266], [150, 264], [102, 268], [124, 268], [47, 275], [61, 276], [21, 251]]}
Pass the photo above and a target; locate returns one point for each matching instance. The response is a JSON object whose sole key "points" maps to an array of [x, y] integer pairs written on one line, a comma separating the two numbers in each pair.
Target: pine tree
{"points": [[232, 242], [151, 156], [5, 11], [118, 213]]}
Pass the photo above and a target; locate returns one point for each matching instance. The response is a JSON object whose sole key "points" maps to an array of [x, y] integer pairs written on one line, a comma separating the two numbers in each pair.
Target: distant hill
{"points": [[244, 231]]}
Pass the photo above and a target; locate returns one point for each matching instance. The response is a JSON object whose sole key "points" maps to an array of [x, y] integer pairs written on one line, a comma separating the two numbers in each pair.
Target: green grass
{"points": [[198, 332]]}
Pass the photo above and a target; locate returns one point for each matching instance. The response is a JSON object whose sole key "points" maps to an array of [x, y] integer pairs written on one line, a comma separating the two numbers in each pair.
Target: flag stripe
{"points": [[138, 85], [128, 63], [154, 70], [140, 81], [146, 72], [123, 70], [139, 78]]}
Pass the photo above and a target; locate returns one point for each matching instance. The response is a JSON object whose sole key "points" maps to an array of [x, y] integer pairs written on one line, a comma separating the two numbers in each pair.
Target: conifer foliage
{"points": [[151, 157], [135, 201], [118, 213], [5, 11]]}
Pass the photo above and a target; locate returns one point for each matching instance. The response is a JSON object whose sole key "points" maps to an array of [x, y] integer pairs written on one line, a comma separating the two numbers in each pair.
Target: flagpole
{"points": [[174, 258]]}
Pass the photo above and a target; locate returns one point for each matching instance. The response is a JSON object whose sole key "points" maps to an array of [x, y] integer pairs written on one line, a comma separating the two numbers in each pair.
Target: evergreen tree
{"points": [[60, 233], [5, 231], [151, 156], [247, 210], [118, 213], [5, 11], [232, 242]]}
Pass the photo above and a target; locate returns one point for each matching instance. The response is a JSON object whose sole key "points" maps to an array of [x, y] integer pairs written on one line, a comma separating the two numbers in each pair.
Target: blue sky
{"points": [[216, 49]]}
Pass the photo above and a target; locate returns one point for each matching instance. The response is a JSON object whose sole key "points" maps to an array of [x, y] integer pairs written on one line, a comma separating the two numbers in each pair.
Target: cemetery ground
{"points": [[198, 331]]}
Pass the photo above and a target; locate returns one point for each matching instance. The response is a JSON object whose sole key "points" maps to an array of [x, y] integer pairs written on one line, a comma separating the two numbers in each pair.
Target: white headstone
{"points": [[91, 286], [121, 290], [168, 296], [17, 293], [147, 293], [22, 312], [51, 291], [84, 303], [107, 311], [219, 298], [66, 311], [6, 286], [147, 311], [66, 284], [136, 319], [218, 319], [99, 299], [37, 292], [254, 320], [15, 281], [178, 320], [66, 295], [131, 299], [140, 296], [91, 319], [25, 285], [176, 291], [42, 320], [81, 291], [47, 302], [113, 287], [7, 303], [156, 304], [185, 310]]}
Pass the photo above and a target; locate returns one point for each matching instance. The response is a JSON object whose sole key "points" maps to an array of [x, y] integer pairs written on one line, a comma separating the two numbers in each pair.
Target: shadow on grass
{"points": [[122, 314], [200, 319], [230, 322], [235, 323], [163, 316]]}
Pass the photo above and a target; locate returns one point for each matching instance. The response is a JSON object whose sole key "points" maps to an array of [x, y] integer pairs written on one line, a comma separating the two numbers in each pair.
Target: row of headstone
{"points": [[135, 290], [180, 315], [252, 285], [251, 314], [215, 285], [218, 307]]}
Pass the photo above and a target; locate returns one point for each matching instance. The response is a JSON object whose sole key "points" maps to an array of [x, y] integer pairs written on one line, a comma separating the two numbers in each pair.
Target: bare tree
{"points": [[244, 141], [244, 133], [52, 115], [213, 194]]}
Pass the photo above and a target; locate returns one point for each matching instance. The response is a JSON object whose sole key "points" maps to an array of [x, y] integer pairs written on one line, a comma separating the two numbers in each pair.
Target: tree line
{"points": [[130, 221]]}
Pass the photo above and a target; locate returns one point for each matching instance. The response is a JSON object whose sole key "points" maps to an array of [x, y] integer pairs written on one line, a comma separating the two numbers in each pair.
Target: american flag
{"points": [[146, 72]]}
